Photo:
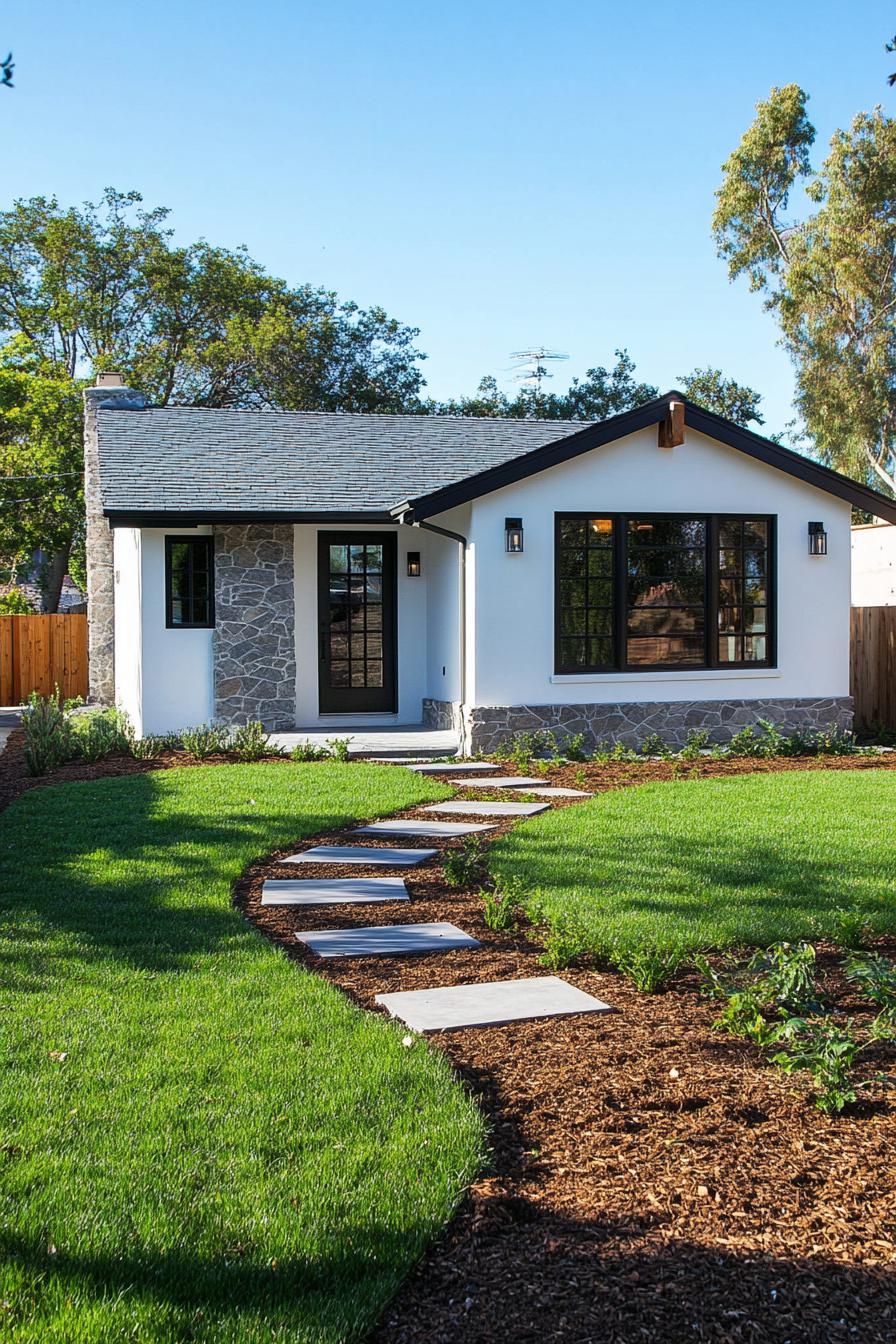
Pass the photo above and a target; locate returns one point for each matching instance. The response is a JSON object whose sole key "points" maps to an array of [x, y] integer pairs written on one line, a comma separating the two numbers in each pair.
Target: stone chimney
{"points": [[108, 394]]}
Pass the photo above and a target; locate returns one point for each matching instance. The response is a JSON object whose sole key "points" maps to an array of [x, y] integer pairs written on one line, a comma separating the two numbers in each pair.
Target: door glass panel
{"points": [[338, 559], [375, 558], [374, 674]]}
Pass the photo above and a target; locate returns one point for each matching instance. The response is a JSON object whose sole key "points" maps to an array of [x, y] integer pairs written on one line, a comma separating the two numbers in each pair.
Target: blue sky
{"points": [[499, 173]]}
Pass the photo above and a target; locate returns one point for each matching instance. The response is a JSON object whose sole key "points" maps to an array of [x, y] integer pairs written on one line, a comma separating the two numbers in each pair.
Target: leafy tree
{"points": [[102, 286], [830, 279], [711, 389], [602, 393], [41, 495]]}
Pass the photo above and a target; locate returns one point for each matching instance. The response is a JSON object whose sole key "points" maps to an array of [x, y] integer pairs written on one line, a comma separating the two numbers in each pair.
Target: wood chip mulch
{"points": [[649, 1179]]}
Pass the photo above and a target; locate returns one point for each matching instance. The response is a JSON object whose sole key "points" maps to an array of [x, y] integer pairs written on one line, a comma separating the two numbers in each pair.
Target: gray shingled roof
{"points": [[178, 459]]}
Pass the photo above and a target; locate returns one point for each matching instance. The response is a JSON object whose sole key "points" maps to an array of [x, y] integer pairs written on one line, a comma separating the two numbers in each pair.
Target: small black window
{"points": [[189, 583]]}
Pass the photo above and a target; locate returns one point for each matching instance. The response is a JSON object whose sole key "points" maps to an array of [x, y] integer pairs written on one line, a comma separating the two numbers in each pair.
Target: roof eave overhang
{"points": [[629, 422], [222, 517]]}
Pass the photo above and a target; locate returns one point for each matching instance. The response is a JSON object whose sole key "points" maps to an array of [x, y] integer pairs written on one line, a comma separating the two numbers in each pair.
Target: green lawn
{"points": [[229, 1151], [714, 862]]}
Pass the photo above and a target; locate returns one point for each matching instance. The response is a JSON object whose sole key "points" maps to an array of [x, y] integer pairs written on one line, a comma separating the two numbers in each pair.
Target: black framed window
{"points": [[189, 583], [642, 592]]}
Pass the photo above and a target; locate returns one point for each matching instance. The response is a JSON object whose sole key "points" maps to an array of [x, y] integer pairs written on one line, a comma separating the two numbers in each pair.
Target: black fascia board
{"points": [[628, 422], [197, 517]]}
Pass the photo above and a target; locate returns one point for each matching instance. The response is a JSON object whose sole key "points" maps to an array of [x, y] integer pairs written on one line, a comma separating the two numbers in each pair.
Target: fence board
{"points": [[872, 674], [38, 653]]}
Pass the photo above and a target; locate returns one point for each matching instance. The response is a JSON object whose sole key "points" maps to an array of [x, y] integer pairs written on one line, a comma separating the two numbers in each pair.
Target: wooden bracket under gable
{"points": [[671, 433]]}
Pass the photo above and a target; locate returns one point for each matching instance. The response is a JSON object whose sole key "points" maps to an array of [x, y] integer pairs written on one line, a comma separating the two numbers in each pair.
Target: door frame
{"points": [[358, 537]]}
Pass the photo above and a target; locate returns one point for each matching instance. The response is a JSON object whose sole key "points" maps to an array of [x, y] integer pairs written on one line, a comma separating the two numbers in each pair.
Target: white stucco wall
{"points": [[163, 677], [412, 626], [874, 565], [443, 572], [514, 594]]}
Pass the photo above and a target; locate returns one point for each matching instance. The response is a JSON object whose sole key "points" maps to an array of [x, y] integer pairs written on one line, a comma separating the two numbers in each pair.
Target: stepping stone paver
{"points": [[488, 1005], [449, 767], [334, 891], [488, 809], [555, 791], [446, 829], [391, 858], [499, 782], [386, 940]]}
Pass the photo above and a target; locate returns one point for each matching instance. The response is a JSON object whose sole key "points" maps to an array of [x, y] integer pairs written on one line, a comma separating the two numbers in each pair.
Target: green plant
{"points": [[250, 742], [466, 865], [851, 930], [102, 732], [498, 908], [15, 603], [573, 747], [206, 739], [49, 735], [339, 748], [580, 778], [543, 767], [785, 974], [875, 979], [654, 745], [695, 744], [563, 942], [521, 748], [149, 748], [826, 1051], [307, 751], [648, 968]]}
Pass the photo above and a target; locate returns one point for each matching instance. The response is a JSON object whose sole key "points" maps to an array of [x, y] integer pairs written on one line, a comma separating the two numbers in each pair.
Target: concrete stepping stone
{"points": [[488, 809], [367, 854], [450, 767], [387, 940], [409, 826], [556, 791], [334, 891], [499, 782], [489, 1005]]}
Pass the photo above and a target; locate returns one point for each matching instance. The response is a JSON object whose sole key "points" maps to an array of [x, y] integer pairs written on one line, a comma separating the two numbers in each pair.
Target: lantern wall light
{"points": [[413, 564], [818, 539], [513, 535]]}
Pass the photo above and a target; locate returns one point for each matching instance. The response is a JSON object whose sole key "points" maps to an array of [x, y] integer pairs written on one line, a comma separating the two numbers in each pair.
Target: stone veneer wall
{"points": [[486, 727], [100, 554], [254, 643]]}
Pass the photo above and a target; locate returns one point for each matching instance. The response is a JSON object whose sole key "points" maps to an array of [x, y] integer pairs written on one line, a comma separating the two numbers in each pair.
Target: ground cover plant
{"points": [[198, 1138], [695, 864]]}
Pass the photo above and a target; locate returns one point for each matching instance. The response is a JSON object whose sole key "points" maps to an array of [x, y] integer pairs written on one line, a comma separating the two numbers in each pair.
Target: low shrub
{"points": [[250, 742], [563, 942], [307, 751], [49, 734], [151, 747], [648, 968], [206, 739], [824, 1050], [339, 748], [466, 865], [15, 603], [102, 732], [654, 745], [522, 747], [498, 909]]}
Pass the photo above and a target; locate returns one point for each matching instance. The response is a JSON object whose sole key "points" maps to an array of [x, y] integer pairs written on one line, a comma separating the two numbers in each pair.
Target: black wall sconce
{"points": [[413, 564], [818, 539], [513, 535]]}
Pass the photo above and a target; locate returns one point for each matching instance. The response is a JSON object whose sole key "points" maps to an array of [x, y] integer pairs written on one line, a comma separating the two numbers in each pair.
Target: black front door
{"points": [[356, 614]]}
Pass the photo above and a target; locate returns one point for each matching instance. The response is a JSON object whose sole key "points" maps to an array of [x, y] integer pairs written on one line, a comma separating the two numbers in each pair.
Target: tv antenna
{"points": [[531, 366]]}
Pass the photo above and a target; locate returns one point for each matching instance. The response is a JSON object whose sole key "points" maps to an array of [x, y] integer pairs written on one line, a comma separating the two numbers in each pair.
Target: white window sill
{"points": [[639, 678]]}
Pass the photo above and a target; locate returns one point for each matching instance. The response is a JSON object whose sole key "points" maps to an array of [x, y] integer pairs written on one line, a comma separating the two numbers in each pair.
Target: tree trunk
{"points": [[52, 575]]}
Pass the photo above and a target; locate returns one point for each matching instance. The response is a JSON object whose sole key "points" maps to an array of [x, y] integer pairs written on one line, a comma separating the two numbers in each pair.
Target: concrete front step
{"points": [[489, 1005], [387, 940], [446, 830], [365, 854], [334, 891]]}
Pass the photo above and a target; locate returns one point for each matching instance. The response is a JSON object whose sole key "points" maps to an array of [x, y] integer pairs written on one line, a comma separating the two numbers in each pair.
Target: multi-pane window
{"points": [[636, 592], [189, 582], [356, 616]]}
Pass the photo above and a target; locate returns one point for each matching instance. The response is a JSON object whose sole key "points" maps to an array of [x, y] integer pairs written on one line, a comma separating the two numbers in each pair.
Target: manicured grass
{"points": [[229, 1150], [714, 862]]}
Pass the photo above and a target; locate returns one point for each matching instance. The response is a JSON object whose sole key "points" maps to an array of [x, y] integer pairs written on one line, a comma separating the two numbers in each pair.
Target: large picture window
{"points": [[189, 583], [640, 592]]}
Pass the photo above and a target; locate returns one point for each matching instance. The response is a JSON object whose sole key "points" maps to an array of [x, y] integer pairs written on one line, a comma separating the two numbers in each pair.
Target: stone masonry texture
{"points": [[486, 727], [100, 555], [254, 642]]}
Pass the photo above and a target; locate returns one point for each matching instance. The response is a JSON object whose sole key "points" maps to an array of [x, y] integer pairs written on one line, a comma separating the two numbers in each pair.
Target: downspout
{"points": [[462, 543]]}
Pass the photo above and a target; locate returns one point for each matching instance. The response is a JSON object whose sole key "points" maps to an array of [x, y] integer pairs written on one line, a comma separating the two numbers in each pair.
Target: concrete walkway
{"points": [[9, 719]]}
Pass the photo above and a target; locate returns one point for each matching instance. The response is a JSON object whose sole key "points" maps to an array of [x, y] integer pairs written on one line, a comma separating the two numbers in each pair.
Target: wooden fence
{"points": [[872, 673], [40, 652]]}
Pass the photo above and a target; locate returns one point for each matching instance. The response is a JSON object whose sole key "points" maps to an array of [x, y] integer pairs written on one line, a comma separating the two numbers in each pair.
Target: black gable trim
{"points": [[595, 436]]}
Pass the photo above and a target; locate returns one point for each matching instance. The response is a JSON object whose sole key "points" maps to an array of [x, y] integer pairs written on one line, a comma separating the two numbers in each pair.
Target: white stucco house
{"points": [[656, 572]]}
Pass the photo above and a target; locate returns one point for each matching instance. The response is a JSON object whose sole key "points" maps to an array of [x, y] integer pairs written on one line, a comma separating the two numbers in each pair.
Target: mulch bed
{"points": [[649, 1179]]}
